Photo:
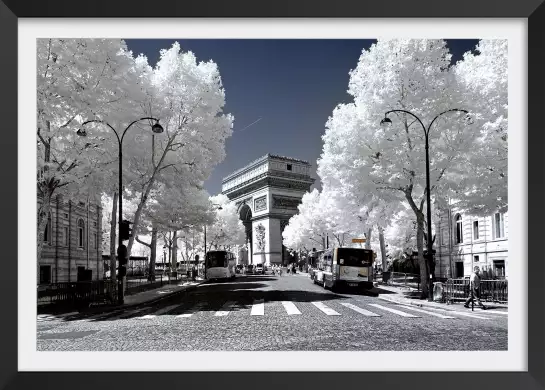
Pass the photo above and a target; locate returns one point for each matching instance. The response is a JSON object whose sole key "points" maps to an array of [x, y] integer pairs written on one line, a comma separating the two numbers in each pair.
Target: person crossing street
{"points": [[474, 284]]}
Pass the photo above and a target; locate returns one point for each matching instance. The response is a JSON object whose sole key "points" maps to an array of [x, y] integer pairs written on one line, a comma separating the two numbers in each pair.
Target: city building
{"points": [[464, 241], [72, 248]]}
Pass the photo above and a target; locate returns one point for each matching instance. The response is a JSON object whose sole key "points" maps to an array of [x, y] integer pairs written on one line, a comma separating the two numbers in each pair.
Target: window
{"points": [[81, 231], [498, 226], [95, 240], [66, 215], [475, 230], [45, 274], [459, 230], [288, 167], [476, 259]]}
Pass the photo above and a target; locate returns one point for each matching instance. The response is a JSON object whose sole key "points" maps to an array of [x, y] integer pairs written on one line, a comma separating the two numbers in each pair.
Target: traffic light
{"points": [[122, 258], [125, 232]]}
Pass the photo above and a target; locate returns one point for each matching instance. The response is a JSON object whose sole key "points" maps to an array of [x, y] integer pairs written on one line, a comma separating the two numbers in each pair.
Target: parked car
{"points": [[239, 268], [249, 269], [259, 269]]}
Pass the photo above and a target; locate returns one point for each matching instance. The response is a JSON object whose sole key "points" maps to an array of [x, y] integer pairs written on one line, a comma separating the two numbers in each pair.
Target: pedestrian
{"points": [[474, 284]]}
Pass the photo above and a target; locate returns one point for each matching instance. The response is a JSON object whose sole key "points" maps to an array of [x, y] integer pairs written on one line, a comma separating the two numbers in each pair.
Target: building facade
{"points": [[267, 192], [463, 242], [72, 247]]}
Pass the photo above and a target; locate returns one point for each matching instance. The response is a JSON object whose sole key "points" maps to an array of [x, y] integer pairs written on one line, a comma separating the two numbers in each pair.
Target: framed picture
{"points": [[379, 348]]}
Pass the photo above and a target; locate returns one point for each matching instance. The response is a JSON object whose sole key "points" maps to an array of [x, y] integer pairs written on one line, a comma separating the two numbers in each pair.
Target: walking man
{"points": [[474, 283]]}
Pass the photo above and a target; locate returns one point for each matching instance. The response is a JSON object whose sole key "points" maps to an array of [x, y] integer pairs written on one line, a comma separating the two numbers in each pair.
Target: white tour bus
{"points": [[220, 265], [344, 267]]}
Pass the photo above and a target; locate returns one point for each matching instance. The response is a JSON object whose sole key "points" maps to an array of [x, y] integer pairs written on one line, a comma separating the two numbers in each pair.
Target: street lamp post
{"points": [[156, 128], [388, 121]]}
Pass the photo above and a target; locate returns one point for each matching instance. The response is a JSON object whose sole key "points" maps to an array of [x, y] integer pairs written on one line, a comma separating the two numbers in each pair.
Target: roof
{"points": [[262, 159]]}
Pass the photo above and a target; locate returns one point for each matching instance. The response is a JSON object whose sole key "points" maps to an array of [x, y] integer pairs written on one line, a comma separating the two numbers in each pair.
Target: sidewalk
{"points": [[410, 296], [151, 296], [134, 300]]}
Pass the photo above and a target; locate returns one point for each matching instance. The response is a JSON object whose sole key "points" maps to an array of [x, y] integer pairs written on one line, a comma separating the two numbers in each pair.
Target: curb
{"points": [[404, 302]]}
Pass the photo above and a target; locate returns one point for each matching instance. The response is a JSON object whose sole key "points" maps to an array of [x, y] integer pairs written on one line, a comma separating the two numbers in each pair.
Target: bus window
{"points": [[354, 257], [216, 259]]}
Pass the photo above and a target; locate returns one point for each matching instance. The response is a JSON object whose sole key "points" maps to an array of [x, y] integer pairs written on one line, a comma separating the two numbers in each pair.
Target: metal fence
{"points": [[78, 292], [489, 290], [401, 279], [99, 291]]}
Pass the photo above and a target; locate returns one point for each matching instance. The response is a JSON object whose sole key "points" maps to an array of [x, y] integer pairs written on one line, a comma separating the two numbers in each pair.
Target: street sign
{"points": [[355, 240]]}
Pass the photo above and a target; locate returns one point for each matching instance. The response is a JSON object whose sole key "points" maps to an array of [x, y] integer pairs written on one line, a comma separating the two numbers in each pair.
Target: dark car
{"points": [[249, 269], [239, 268]]}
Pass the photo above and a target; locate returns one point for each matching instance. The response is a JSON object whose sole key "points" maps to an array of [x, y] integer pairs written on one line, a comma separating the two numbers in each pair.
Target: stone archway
{"points": [[245, 214], [267, 192]]}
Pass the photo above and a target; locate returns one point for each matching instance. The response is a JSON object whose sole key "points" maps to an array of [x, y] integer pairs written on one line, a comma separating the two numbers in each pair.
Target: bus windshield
{"points": [[355, 257], [216, 259]]}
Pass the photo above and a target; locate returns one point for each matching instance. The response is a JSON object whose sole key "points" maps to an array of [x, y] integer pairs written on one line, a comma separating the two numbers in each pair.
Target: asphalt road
{"points": [[271, 313]]}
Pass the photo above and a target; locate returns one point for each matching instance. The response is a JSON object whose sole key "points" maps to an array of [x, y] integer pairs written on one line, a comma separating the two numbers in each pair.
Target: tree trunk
{"points": [[368, 238], [174, 259], [421, 260], [144, 199], [43, 214], [382, 248], [153, 254], [113, 224]]}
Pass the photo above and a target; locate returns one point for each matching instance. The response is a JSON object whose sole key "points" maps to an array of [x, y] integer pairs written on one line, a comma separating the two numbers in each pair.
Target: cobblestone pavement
{"points": [[271, 313]]}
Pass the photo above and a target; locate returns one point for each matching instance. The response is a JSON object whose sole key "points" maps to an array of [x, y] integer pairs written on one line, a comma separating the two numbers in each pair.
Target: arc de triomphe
{"points": [[267, 192]]}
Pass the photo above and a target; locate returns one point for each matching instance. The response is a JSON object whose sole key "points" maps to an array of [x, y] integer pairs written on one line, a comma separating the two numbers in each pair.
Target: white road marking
{"points": [[225, 309], [360, 310], [290, 307], [401, 313], [327, 310], [160, 311], [427, 312], [191, 311], [258, 308]]}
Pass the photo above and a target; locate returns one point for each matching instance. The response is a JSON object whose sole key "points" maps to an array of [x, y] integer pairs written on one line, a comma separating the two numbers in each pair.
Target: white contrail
{"points": [[253, 123]]}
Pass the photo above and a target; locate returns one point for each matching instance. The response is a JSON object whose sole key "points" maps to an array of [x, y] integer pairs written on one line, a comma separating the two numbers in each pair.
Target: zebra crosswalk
{"points": [[260, 308]]}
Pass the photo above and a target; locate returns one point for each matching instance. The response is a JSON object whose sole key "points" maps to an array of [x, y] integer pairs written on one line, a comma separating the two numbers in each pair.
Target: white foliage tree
{"points": [[188, 97], [78, 79], [389, 163], [227, 229]]}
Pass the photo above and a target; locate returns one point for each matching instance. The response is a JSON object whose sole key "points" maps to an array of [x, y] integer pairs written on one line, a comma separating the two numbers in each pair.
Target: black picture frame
{"points": [[11, 10]]}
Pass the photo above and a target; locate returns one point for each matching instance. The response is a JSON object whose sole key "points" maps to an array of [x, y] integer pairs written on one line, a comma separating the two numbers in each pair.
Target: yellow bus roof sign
{"points": [[358, 240]]}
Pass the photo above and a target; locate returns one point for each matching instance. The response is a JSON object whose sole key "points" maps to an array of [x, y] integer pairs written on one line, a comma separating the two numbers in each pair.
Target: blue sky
{"points": [[291, 86]]}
